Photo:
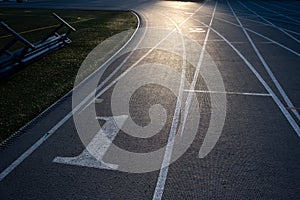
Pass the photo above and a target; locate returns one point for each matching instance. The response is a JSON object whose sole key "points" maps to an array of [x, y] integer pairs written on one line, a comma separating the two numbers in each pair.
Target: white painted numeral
{"points": [[92, 155]]}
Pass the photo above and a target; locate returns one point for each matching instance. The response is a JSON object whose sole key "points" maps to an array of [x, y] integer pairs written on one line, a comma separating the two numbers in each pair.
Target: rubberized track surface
{"points": [[255, 47]]}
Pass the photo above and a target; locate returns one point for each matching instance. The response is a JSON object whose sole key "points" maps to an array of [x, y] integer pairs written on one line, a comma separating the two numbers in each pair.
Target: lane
{"points": [[266, 66], [233, 169], [163, 90], [158, 193]]}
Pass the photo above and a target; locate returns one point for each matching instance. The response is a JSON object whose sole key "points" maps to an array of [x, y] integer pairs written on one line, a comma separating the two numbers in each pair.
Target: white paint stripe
{"points": [[159, 189], [256, 33], [113, 73], [38, 143], [29, 151], [261, 17], [276, 12], [233, 93], [255, 21], [237, 42], [273, 41], [291, 31], [162, 177], [266, 66], [144, 56], [197, 71], [244, 18], [262, 81], [98, 101], [92, 155], [280, 7], [287, 5], [281, 20]]}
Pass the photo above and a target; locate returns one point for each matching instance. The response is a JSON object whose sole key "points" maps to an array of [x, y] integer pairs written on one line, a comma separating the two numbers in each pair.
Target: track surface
{"points": [[254, 45]]}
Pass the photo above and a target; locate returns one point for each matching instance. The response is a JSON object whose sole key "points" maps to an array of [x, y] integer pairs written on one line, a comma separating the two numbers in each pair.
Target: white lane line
{"points": [[287, 5], [281, 20], [162, 177], [262, 81], [29, 151], [38, 143], [266, 66], [233, 93], [144, 56], [280, 7], [270, 17], [276, 12], [261, 17], [92, 155], [197, 71], [159, 189], [114, 71], [291, 31], [196, 30], [255, 21], [256, 33], [263, 36]]}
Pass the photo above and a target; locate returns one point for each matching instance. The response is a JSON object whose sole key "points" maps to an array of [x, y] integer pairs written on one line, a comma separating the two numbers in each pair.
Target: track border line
{"points": [[40, 141]]}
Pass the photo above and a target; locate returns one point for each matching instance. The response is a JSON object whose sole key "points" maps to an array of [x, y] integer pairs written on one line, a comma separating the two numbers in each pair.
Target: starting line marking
{"points": [[234, 93]]}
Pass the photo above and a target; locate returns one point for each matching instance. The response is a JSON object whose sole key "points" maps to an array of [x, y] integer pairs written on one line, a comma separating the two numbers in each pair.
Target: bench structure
{"points": [[11, 62]]}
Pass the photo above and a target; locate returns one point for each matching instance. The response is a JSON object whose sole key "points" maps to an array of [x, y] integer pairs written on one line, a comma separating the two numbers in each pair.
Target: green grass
{"points": [[36, 87]]}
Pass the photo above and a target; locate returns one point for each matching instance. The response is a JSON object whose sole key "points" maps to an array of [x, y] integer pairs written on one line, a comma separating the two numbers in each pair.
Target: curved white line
{"points": [[38, 143], [266, 66], [263, 36], [261, 80], [162, 177], [279, 14], [275, 26]]}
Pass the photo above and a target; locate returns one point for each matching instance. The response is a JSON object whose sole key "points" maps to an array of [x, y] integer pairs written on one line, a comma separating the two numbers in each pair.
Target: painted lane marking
{"points": [[163, 173], [274, 5], [287, 5], [144, 56], [218, 115], [263, 36], [266, 66], [266, 16], [159, 189], [296, 33], [261, 80], [196, 30], [92, 155], [233, 93], [281, 20], [29, 151], [256, 33], [289, 35], [237, 42], [197, 71], [276, 13], [38, 143], [98, 101]]}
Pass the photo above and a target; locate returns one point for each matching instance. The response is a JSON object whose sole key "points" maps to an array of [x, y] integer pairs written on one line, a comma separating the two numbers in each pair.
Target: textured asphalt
{"points": [[257, 154]]}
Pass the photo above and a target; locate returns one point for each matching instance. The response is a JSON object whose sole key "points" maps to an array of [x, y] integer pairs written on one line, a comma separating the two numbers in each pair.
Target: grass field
{"points": [[36, 87]]}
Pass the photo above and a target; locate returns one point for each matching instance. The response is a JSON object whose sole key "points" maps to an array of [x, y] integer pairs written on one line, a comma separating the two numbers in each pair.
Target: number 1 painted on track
{"points": [[92, 155]]}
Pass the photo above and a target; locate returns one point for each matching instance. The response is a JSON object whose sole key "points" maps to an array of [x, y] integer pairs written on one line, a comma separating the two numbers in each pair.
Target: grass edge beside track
{"points": [[132, 24]]}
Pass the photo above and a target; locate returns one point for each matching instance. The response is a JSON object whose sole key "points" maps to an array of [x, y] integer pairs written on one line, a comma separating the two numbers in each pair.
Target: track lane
{"points": [[262, 160]]}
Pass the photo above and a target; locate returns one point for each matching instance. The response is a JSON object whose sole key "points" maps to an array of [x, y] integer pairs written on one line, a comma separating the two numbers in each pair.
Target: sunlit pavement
{"points": [[215, 86]]}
